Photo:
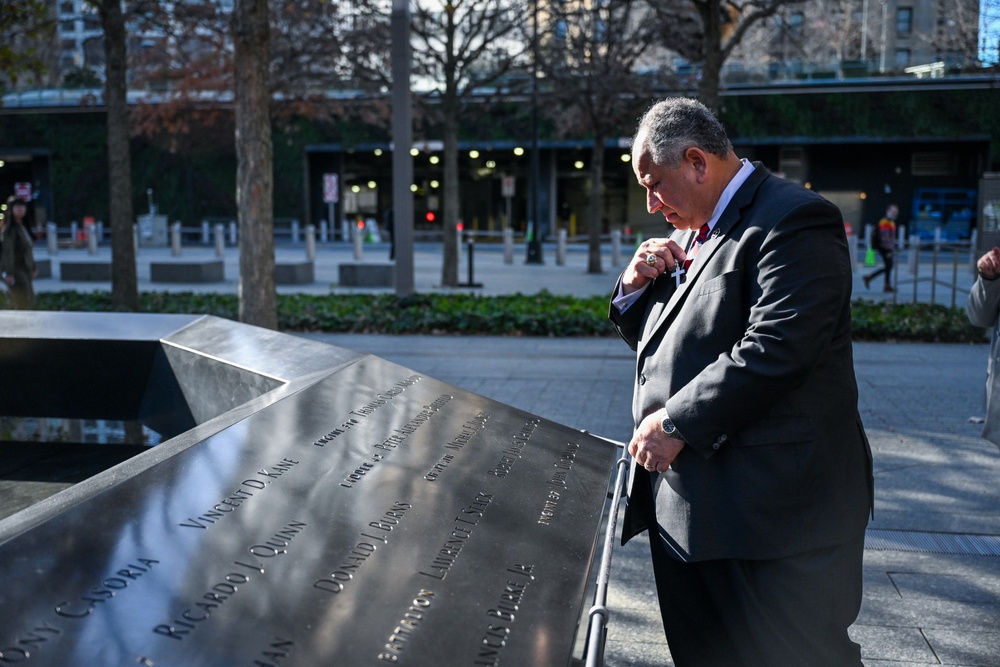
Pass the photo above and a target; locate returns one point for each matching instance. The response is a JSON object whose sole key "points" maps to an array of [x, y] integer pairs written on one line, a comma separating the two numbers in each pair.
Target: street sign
{"points": [[331, 189], [22, 191], [507, 185]]}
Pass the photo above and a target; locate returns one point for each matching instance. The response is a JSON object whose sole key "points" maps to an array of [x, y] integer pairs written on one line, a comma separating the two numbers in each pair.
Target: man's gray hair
{"points": [[673, 125]]}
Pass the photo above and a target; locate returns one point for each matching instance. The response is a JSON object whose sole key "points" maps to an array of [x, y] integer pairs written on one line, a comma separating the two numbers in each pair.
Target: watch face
{"points": [[668, 427]]}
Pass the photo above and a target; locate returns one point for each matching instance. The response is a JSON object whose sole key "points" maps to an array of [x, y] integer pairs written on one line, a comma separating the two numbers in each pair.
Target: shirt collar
{"points": [[727, 195]]}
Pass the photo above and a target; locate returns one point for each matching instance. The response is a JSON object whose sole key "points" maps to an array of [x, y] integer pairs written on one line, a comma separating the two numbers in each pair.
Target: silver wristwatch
{"points": [[668, 427]]}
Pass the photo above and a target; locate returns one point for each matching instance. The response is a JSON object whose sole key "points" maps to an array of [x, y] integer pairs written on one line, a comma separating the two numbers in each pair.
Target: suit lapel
{"points": [[662, 312], [663, 286]]}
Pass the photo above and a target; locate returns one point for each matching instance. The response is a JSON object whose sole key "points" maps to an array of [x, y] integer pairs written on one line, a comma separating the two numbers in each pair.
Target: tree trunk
{"points": [[449, 225], [124, 284], [708, 85], [595, 219], [254, 171]]}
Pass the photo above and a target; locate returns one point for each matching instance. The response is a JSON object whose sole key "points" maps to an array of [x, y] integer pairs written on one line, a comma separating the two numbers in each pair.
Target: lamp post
{"points": [[534, 227], [402, 138]]}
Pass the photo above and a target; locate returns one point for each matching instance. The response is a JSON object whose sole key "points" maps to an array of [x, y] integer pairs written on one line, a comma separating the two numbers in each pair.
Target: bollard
{"points": [[324, 231], [175, 239], [852, 251], [206, 236], [100, 231], [220, 240], [232, 233], [561, 248], [311, 243], [616, 247], [471, 245], [73, 230], [88, 230], [295, 232], [52, 237], [508, 245], [135, 239]]}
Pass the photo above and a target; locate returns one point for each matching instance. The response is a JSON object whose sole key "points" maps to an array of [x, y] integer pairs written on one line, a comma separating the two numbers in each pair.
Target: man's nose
{"points": [[652, 203]]}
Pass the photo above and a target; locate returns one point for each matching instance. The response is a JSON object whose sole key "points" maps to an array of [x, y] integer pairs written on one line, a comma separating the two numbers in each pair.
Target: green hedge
{"points": [[542, 314]]}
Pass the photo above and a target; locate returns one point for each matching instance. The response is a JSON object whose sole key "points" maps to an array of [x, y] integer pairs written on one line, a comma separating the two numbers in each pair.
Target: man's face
{"points": [[18, 210], [673, 192]]}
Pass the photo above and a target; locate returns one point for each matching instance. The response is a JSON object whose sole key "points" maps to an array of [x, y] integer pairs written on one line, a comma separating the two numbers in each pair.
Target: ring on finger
{"points": [[651, 259]]}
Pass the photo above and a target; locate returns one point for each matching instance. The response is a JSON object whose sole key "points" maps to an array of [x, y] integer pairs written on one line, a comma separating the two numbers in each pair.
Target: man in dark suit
{"points": [[751, 468]]}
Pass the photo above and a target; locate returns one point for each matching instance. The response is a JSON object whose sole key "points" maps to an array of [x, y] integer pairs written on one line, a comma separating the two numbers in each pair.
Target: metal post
{"points": [[402, 137], [616, 247], [295, 232], [52, 237], [508, 245], [915, 262], [934, 265], [89, 231], [175, 239], [561, 248], [220, 240], [205, 235], [324, 231], [954, 277], [311, 243], [233, 240]]}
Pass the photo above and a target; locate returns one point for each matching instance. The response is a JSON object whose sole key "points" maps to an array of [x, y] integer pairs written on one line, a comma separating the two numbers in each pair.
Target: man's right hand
{"points": [[989, 264], [640, 272]]}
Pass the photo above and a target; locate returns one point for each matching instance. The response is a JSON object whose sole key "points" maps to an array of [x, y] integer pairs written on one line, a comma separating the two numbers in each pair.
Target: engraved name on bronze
{"points": [[510, 454], [407, 626], [378, 533], [199, 611], [468, 518], [236, 499], [503, 614]]}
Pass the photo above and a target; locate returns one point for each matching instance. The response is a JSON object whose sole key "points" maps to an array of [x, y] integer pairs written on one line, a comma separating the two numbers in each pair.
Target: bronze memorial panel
{"points": [[365, 515]]}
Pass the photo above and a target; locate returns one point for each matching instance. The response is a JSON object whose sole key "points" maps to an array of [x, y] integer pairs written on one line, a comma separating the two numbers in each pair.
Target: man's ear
{"points": [[696, 158]]}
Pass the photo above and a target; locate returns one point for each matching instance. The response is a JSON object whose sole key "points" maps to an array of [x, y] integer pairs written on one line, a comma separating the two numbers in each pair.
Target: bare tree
{"points": [[254, 173], [721, 25], [590, 64], [463, 45], [124, 283]]}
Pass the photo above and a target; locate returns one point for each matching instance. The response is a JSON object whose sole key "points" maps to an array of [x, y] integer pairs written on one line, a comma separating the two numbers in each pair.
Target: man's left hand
{"points": [[651, 447]]}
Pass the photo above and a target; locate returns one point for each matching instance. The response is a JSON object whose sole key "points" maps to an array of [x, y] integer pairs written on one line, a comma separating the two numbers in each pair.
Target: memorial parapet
{"points": [[310, 506]]}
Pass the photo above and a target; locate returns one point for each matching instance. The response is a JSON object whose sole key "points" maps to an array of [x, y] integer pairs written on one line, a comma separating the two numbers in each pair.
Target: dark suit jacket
{"points": [[752, 358]]}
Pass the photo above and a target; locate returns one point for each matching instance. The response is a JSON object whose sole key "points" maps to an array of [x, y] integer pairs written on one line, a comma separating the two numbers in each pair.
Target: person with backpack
{"points": [[884, 241]]}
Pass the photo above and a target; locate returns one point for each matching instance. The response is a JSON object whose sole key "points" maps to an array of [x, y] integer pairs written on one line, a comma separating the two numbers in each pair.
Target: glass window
{"points": [[795, 21], [904, 21], [902, 58], [67, 26]]}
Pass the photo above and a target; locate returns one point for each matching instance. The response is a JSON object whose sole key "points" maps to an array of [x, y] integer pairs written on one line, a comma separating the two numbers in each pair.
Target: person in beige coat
{"points": [[983, 308]]}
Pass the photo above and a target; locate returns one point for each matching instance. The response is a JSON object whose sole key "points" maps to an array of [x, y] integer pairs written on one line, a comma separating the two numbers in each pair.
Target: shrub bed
{"points": [[541, 314]]}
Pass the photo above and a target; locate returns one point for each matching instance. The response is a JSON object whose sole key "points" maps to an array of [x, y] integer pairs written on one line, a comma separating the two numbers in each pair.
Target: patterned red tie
{"points": [[698, 242]]}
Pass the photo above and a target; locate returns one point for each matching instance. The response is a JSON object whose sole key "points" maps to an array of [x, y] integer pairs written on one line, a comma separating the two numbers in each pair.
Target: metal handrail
{"points": [[598, 614]]}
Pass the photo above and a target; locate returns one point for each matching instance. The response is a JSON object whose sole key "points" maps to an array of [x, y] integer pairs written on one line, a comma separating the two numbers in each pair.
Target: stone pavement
{"points": [[926, 602], [929, 598]]}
